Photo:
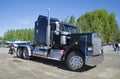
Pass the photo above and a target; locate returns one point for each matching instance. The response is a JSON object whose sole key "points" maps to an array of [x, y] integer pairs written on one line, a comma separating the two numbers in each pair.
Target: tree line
{"points": [[20, 34], [96, 21]]}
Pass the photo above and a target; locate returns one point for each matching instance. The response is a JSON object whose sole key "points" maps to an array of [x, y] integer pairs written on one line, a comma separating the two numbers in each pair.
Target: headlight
{"points": [[90, 48]]}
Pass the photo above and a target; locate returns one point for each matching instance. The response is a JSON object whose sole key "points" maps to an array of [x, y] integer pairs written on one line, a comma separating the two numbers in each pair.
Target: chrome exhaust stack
{"points": [[48, 30]]}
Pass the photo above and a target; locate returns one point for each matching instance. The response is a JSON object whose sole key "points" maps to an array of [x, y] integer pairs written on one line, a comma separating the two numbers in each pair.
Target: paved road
{"points": [[37, 68]]}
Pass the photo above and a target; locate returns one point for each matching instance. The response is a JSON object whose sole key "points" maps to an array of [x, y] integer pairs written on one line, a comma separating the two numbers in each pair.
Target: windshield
{"points": [[68, 28]]}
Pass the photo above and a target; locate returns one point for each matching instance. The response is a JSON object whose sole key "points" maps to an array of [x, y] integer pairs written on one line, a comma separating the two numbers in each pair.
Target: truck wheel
{"points": [[19, 52], [26, 54], [75, 61]]}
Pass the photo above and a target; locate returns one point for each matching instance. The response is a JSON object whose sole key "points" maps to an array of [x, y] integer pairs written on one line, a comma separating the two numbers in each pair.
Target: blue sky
{"points": [[21, 14]]}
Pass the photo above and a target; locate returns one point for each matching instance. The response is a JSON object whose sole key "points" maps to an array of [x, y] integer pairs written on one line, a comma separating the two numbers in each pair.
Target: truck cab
{"points": [[60, 41]]}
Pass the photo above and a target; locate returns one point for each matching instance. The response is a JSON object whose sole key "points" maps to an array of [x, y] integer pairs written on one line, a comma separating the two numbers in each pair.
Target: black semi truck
{"points": [[60, 41]]}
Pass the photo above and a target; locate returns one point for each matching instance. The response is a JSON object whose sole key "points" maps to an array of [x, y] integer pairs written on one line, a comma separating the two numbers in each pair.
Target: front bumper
{"points": [[94, 60]]}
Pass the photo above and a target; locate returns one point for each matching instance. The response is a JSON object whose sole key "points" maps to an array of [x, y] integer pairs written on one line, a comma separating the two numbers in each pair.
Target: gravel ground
{"points": [[38, 68]]}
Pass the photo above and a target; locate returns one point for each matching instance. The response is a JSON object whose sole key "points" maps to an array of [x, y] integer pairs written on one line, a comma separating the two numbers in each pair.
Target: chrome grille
{"points": [[96, 44]]}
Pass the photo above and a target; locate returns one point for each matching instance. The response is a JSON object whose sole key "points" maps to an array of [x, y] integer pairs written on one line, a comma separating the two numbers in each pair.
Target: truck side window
{"points": [[37, 23]]}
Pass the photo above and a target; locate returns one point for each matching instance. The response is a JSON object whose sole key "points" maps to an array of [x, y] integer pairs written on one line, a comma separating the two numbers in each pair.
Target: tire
{"points": [[19, 53], [75, 61], [26, 54]]}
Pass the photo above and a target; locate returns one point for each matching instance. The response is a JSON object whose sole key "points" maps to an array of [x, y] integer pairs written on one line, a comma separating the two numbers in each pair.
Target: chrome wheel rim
{"points": [[76, 62], [18, 53], [24, 54]]}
